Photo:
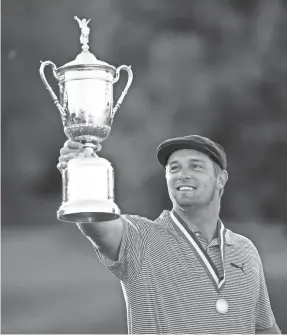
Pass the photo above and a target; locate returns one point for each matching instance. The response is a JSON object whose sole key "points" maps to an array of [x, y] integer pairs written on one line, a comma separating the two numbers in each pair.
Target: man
{"points": [[184, 273]]}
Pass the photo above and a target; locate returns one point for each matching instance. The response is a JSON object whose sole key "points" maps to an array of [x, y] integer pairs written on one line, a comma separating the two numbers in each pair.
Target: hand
{"points": [[71, 149]]}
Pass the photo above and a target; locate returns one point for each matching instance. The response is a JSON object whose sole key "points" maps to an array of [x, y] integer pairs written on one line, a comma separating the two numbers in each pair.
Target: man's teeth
{"points": [[186, 188]]}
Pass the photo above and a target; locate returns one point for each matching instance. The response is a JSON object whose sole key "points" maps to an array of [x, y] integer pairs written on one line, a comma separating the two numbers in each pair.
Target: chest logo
{"points": [[238, 267]]}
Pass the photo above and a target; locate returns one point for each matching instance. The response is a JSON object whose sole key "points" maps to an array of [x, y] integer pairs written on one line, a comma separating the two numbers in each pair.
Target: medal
{"points": [[221, 306]]}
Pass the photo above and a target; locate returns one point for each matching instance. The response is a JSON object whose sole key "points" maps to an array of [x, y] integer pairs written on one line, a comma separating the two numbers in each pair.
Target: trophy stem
{"points": [[90, 149]]}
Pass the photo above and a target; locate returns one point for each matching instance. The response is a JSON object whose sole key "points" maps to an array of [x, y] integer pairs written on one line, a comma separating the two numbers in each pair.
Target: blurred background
{"points": [[216, 68]]}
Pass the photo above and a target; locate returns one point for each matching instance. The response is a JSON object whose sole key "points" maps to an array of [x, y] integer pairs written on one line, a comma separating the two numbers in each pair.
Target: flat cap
{"points": [[195, 142]]}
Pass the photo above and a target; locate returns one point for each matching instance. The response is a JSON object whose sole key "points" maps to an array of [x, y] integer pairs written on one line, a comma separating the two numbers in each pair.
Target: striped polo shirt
{"points": [[167, 290]]}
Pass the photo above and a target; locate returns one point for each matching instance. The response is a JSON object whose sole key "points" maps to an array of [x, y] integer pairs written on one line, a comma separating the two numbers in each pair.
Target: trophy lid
{"points": [[85, 60]]}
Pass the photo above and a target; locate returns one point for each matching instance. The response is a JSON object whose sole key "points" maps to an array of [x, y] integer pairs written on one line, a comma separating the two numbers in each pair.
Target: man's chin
{"points": [[186, 203]]}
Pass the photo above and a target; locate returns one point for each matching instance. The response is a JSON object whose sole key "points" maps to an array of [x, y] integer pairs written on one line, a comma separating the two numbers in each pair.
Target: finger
{"points": [[66, 151], [66, 158], [99, 147], [73, 145], [61, 166]]}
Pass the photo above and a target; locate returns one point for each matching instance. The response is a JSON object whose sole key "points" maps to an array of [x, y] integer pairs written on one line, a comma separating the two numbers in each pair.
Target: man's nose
{"points": [[184, 174]]}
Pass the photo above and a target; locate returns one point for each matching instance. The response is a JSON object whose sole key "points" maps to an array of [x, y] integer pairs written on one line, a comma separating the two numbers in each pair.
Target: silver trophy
{"points": [[87, 112]]}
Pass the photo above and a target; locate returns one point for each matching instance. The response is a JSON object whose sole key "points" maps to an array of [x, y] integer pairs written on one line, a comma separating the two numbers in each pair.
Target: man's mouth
{"points": [[185, 188]]}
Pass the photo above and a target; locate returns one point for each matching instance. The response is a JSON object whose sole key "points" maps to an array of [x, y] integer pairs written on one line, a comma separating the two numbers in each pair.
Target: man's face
{"points": [[191, 178]]}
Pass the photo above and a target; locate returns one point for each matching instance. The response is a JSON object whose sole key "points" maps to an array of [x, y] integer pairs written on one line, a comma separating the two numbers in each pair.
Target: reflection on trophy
{"points": [[87, 112]]}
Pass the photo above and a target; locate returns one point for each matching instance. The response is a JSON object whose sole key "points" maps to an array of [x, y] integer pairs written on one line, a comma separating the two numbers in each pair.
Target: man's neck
{"points": [[200, 219]]}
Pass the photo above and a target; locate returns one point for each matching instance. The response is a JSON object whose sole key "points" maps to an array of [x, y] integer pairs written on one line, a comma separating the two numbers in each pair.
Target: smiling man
{"points": [[185, 272]]}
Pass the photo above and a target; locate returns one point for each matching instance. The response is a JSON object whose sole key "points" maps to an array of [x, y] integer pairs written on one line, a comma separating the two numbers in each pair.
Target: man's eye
{"points": [[197, 166], [173, 168]]}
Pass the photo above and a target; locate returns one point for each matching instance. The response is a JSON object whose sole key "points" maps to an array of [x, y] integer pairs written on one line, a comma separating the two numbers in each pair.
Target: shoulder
{"points": [[137, 219], [243, 243], [137, 223], [146, 223]]}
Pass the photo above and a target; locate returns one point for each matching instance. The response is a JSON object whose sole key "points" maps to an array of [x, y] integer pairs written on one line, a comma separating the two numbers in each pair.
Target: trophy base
{"points": [[96, 212], [88, 190]]}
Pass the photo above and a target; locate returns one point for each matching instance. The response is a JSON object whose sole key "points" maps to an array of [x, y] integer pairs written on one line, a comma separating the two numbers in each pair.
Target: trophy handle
{"points": [[125, 91], [49, 88]]}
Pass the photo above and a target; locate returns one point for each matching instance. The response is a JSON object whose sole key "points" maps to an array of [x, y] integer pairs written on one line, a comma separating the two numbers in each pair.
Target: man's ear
{"points": [[222, 179]]}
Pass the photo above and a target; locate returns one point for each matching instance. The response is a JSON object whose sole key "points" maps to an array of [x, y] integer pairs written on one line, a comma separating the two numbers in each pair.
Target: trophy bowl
{"points": [[87, 112], [87, 98]]}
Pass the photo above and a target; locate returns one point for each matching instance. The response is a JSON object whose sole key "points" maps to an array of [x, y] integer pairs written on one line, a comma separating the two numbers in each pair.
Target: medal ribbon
{"points": [[200, 252]]}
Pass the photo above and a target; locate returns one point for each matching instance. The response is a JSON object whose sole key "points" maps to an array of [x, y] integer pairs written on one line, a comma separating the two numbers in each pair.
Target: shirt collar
{"points": [[229, 240]]}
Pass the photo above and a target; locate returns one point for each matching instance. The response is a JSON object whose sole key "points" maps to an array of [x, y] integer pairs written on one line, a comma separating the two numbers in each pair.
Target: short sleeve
{"points": [[264, 314], [136, 233]]}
